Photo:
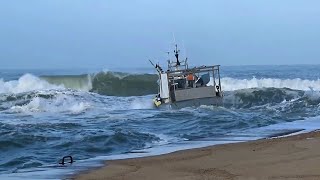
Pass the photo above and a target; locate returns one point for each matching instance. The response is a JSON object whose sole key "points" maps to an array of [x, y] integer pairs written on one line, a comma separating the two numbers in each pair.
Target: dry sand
{"points": [[295, 157]]}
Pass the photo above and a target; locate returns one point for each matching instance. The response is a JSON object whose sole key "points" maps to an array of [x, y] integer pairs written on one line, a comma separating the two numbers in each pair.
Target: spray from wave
{"points": [[26, 83]]}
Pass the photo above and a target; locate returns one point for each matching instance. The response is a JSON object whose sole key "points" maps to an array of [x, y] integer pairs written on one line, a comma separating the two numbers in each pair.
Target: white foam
{"points": [[26, 83], [35, 105], [89, 86], [163, 140], [313, 95], [79, 107], [231, 84], [141, 103], [308, 125], [60, 103]]}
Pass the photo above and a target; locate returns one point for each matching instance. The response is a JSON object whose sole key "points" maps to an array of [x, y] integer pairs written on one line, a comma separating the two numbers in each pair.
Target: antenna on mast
{"points": [[186, 55], [176, 51], [168, 52], [185, 50]]}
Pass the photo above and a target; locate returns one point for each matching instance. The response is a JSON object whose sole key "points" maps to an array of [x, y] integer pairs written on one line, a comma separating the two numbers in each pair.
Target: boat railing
{"points": [[172, 65], [177, 79], [201, 69]]}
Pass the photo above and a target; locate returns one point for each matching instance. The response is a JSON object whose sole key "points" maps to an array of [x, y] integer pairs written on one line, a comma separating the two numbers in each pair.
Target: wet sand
{"points": [[295, 157]]}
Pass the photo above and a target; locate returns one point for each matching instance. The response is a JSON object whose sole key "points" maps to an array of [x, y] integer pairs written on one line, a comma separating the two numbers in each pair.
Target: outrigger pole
{"points": [[157, 67]]}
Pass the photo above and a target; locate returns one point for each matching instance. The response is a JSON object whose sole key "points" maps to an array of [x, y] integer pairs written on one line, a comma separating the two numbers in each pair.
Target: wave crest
{"points": [[231, 84], [121, 84]]}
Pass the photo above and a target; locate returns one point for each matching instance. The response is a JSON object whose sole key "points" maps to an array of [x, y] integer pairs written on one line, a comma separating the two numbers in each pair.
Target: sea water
{"points": [[98, 115]]}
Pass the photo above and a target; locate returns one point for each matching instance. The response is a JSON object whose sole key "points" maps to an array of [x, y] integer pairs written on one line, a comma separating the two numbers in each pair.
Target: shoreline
{"points": [[291, 157]]}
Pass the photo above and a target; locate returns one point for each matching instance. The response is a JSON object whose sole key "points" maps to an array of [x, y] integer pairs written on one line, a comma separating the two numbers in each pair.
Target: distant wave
{"points": [[231, 84], [125, 84]]}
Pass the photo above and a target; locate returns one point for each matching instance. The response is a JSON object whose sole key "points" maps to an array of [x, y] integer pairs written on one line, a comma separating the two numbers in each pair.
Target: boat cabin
{"points": [[188, 85]]}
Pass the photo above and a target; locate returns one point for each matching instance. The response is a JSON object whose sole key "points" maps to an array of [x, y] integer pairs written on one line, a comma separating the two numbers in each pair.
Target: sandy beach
{"points": [[295, 157]]}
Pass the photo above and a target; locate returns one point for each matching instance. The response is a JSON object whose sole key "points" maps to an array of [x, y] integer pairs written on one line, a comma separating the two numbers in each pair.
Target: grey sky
{"points": [[114, 33]]}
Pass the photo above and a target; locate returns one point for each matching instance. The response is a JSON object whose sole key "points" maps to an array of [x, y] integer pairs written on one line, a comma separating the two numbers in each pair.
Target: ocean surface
{"points": [[98, 115]]}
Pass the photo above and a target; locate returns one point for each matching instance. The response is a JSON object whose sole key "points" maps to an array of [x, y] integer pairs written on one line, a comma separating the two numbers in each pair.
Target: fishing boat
{"points": [[181, 86]]}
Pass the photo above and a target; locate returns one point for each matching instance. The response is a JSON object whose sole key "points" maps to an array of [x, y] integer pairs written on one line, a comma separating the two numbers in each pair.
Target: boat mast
{"points": [[176, 54], [176, 64], [168, 60]]}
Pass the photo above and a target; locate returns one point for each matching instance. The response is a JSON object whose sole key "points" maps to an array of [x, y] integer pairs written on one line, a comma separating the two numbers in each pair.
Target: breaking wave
{"points": [[78, 82], [52, 101], [245, 98], [124, 84], [26, 83]]}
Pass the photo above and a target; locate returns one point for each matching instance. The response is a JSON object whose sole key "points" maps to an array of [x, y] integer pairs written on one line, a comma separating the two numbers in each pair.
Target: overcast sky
{"points": [[116, 33]]}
